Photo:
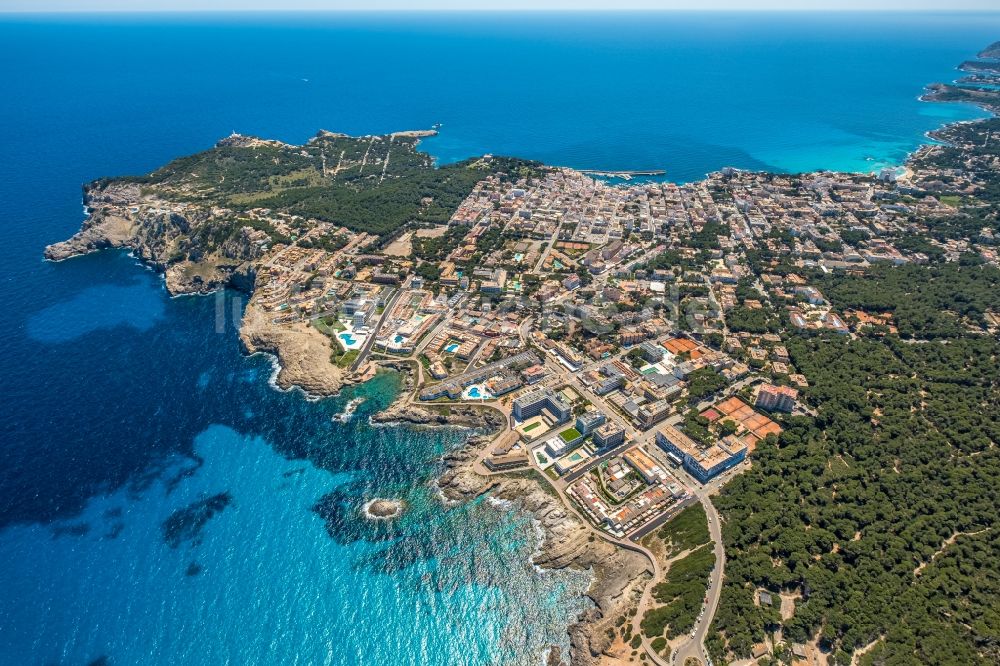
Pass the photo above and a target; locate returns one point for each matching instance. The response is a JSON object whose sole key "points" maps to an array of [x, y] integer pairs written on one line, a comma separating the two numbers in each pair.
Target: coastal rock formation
{"points": [[160, 236], [470, 416], [303, 353], [236, 140], [619, 574], [383, 509], [403, 412], [194, 279], [163, 235], [164, 240], [98, 233]]}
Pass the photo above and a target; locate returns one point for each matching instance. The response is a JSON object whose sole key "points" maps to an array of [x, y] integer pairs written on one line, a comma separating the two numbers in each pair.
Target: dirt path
{"points": [[944, 546]]}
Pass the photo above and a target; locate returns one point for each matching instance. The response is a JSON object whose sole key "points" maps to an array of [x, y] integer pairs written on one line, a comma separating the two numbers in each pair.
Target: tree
{"points": [[728, 427]]}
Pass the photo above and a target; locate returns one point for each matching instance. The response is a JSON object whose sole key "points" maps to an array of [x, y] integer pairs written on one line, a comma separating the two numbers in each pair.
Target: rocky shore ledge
{"points": [[303, 354], [468, 416], [619, 575], [164, 234], [153, 232]]}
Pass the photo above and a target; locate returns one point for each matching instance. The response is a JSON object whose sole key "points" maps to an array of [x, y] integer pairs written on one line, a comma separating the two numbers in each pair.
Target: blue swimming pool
{"points": [[477, 393], [347, 338], [451, 348], [398, 339]]}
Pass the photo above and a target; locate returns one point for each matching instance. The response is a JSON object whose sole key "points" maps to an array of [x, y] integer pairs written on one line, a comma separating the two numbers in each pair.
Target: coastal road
{"points": [[628, 544], [695, 647], [654, 568], [367, 347]]}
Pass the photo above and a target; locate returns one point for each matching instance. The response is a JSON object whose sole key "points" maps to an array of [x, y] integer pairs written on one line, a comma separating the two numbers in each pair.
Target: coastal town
{"points": [[631, 333]]}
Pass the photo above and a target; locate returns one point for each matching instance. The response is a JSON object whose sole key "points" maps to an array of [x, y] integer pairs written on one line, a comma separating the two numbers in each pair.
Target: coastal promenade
{"points": [[694, 643]]}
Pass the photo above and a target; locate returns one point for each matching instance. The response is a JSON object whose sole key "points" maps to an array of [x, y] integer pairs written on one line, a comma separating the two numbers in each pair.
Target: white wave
{"points": [[349, 409]]}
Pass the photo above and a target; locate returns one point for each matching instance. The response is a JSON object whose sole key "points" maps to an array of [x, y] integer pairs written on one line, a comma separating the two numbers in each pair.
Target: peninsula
{"points": [[763, 408]]}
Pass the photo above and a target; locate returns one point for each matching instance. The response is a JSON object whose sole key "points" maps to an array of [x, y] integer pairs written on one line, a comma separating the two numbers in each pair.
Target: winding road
{"points": [[695, 647]]}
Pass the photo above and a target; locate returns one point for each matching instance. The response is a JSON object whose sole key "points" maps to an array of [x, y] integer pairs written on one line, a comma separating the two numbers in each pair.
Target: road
{"points": [[545, 252], [367, 347], [628, 544], [695, 647]]}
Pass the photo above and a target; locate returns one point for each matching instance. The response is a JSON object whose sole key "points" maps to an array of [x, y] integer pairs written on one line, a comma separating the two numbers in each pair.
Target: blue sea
{"points": [[160, 502]]}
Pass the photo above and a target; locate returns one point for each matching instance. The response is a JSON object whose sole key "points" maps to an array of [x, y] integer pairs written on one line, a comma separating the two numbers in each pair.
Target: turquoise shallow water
{"points": [[160, 503], [234, 553], [270, 581]]}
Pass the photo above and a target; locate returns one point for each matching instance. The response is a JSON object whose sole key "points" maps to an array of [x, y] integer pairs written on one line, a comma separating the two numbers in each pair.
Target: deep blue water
{"points": [[122, 406]]}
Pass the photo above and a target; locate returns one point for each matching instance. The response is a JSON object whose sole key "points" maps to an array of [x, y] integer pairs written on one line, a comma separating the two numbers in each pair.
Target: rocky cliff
{"points": [[303, 353], [470, 416], [121, 216]]}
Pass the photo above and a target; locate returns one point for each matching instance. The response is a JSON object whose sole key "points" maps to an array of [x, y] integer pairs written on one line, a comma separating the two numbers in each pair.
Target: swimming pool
{"points": [[477, 393], [398, 339], [347, 338], [451, 348]]}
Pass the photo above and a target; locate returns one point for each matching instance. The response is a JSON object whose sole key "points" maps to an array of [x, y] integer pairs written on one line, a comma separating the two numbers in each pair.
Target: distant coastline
{"points": [[170, 219]]}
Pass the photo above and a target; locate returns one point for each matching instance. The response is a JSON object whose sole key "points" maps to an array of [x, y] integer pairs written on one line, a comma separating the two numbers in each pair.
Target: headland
{"points": [[623, 352]]}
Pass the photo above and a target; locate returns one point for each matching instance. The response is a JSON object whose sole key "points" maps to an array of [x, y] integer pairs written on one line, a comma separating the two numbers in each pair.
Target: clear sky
{"points": [[701, 5]]}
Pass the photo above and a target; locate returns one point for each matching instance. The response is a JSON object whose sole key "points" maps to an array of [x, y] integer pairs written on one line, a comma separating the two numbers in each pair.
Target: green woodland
{"points": [[687, 530], [703, 382], [372, 184], [681, 594], [683, 588], [881, 511], [927, 302]]}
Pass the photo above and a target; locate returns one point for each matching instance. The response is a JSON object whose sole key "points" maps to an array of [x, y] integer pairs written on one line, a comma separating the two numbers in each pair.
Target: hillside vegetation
{"points": [[374, 184]]}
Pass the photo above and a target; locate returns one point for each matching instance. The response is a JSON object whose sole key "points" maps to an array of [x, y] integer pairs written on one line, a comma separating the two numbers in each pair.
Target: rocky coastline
{"points": [[479, 417], [115, 221], [619, 575], [302, 353]]}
